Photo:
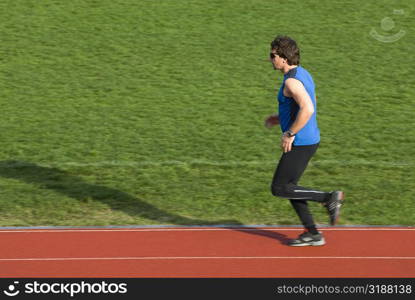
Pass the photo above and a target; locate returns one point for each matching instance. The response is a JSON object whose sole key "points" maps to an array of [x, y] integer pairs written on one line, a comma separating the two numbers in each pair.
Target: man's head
{"points": [[284, 51]]}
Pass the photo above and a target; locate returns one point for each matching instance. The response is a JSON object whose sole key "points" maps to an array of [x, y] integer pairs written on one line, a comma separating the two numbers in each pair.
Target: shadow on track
{"points": [[282, 238]]}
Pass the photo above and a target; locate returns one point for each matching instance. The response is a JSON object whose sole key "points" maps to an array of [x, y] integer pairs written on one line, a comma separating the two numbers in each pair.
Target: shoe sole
{"points": [[316, 243], [341, 200]]}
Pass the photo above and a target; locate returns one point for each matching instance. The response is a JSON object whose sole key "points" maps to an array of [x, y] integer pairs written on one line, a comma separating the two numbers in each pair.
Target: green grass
{"points": [[151, 112]]}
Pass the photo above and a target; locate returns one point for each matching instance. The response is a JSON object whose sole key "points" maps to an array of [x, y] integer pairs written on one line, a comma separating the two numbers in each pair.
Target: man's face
{"points": [[277, 61]]}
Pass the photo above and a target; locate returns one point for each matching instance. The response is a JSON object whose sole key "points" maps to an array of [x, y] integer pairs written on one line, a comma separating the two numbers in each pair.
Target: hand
{"points": [[272, 121], [287, 142]]}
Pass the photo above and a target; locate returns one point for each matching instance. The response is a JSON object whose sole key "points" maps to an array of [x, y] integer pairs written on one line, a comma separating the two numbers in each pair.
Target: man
{"points": [[300, 140]]}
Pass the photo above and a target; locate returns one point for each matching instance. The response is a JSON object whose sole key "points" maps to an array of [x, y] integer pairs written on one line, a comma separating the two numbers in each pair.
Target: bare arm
{"points": [[296, 90], [272, 120]]}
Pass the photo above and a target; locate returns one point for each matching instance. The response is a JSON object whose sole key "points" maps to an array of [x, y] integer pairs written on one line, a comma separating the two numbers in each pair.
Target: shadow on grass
{"points": [[76, 188]]}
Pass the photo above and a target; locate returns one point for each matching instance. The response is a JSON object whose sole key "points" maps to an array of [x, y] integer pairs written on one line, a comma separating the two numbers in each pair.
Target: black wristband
{"points": [[289, 133]]}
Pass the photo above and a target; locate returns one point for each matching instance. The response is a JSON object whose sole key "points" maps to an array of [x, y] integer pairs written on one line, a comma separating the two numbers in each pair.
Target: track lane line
{"points": [[198, 229], [207, 257]]}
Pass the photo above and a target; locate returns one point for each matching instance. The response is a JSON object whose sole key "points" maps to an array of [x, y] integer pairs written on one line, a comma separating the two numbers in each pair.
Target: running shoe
{"points": [[333, 206], [307, 239]]}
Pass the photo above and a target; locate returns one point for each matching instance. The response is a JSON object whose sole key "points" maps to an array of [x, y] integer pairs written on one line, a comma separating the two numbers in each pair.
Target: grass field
{"points": [[151, 112]]}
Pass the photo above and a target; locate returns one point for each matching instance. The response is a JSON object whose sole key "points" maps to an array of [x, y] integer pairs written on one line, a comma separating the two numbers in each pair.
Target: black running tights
{"points": [[284, 183]]}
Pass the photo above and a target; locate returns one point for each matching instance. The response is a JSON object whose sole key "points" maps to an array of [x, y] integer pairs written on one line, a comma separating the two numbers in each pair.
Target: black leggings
{"points": [[284, 184]]}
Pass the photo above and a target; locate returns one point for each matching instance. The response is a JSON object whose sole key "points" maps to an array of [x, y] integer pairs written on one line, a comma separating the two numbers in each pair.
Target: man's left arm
{"points": [[296, 90]]}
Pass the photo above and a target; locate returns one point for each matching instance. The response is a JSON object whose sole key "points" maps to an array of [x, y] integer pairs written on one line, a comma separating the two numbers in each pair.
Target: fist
{"points": [[272, 121]]}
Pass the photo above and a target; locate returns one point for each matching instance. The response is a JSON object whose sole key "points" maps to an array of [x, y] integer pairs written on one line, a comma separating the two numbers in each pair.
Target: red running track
{"points": [[206, 252]]}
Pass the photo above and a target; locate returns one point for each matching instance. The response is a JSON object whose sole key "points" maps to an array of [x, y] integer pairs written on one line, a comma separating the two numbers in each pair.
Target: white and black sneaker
{"points": [[307, 239], [333, 206]]}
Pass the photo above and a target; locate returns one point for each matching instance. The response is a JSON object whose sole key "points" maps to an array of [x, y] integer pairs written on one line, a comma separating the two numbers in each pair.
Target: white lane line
{"points": [[205, 258], [199, 229]]}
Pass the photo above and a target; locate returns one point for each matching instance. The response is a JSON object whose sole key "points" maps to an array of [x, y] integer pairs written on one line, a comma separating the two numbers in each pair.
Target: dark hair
{"points": [[286, 48]]}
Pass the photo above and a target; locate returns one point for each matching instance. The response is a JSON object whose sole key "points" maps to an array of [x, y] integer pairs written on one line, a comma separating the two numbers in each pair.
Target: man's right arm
{"points": [[272, 120]]}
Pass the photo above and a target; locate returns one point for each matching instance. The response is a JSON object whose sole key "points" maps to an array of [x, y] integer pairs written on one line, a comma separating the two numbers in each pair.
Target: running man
{"points": [[299, 141]]}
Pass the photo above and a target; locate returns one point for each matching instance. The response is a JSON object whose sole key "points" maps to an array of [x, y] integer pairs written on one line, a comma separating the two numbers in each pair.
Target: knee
{"points": [[279, 190]]}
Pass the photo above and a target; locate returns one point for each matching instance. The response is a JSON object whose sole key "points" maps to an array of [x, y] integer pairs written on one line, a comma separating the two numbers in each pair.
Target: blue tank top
{"points": [[288, 109]]}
